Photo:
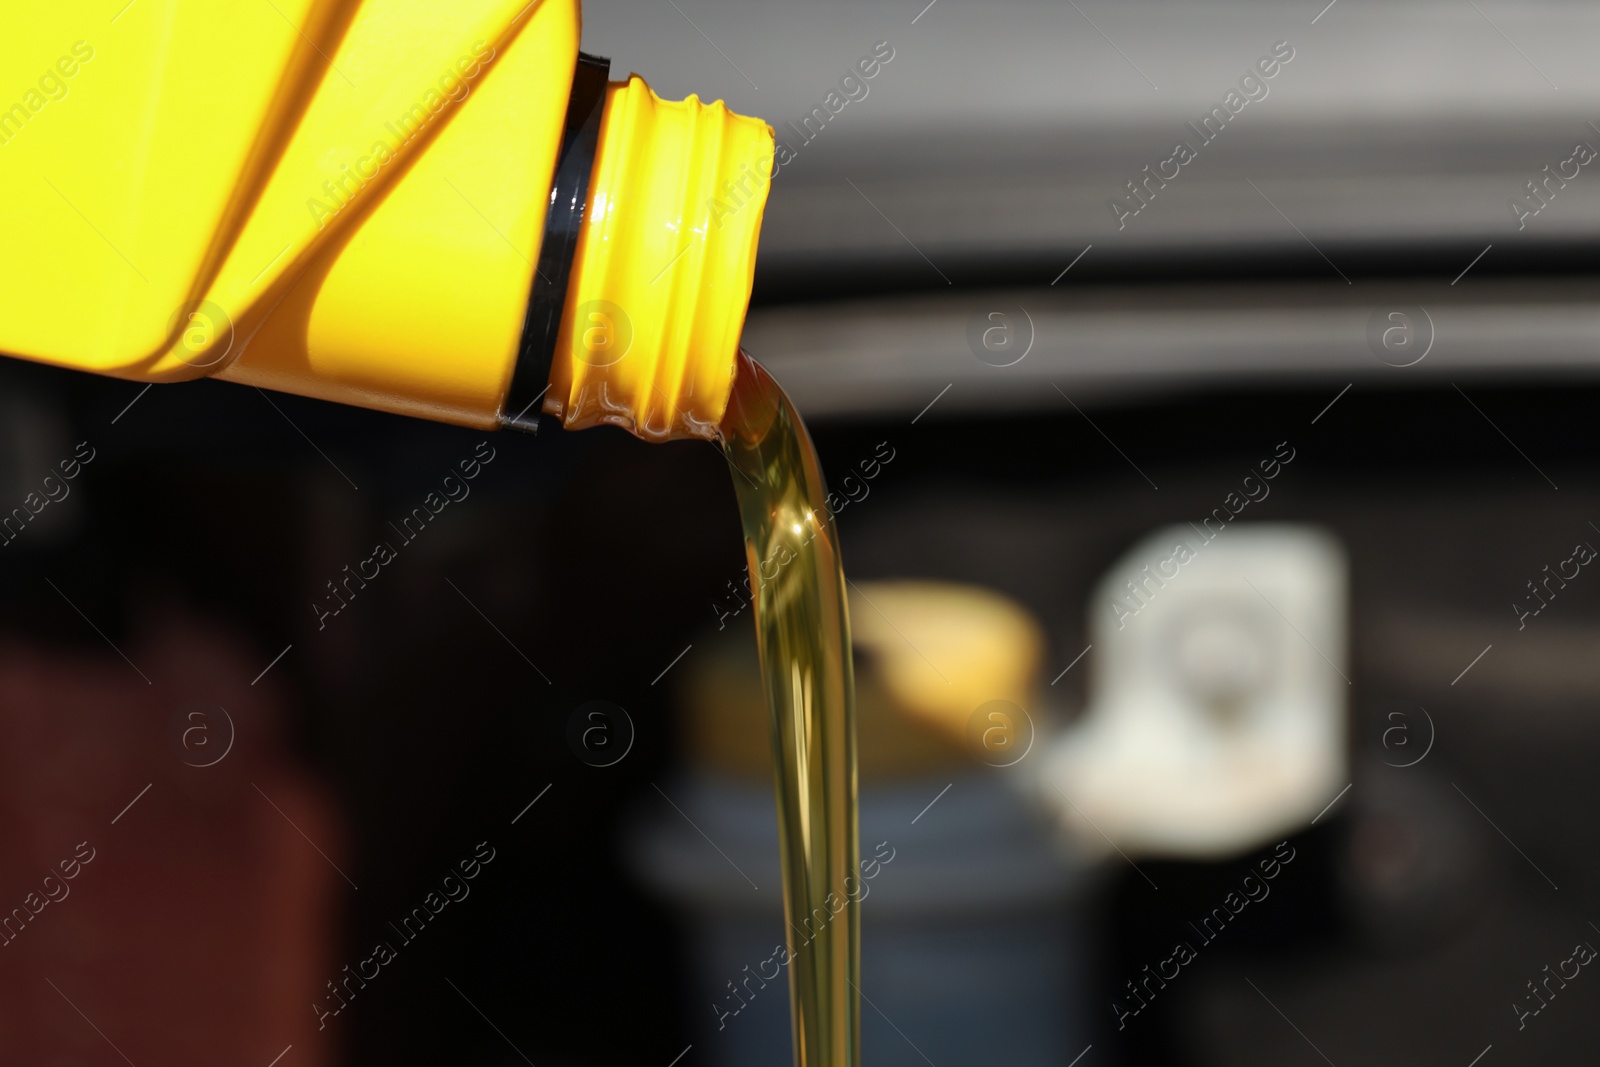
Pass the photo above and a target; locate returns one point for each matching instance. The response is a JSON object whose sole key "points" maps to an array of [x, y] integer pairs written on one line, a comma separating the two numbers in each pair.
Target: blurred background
{"points": [[1338, 746]]}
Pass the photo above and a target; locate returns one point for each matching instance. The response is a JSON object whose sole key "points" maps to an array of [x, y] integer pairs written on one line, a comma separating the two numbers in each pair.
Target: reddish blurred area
{"points": [[200, 919]]}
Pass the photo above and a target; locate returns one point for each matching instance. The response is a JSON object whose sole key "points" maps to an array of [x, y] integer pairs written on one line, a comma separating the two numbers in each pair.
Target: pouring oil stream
{"points": [[803, 631]]}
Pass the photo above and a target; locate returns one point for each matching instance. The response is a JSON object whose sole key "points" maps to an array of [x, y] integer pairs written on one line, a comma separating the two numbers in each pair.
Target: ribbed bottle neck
{"points": [[665, 258]]}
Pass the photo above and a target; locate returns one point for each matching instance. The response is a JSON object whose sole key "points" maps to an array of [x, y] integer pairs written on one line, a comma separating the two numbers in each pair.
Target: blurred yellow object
{"points": [[347, 200], [912, 714], [943, 649]]}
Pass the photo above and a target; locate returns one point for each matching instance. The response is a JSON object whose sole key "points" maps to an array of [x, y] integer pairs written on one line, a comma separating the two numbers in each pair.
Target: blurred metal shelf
{"points": [[1268, 189], [1004, 129], [1107, 344]]}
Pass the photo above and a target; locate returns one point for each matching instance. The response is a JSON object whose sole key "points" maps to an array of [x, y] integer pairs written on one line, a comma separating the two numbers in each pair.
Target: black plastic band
{"points": [[569, 195]]}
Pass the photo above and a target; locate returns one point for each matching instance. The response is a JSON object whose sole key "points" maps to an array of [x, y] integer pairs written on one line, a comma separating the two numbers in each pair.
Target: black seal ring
{"points": [[569, 195]]}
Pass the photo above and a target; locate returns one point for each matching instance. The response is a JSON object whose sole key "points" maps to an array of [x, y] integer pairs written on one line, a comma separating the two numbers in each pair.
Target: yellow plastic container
{"points": [[437, 210]]}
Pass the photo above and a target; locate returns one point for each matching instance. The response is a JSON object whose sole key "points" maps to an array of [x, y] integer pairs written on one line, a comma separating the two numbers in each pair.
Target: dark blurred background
{"points": [[431, 712]]}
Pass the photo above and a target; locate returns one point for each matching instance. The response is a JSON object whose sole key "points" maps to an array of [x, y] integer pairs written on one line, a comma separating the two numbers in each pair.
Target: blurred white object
{"points": [[1216, 717]]}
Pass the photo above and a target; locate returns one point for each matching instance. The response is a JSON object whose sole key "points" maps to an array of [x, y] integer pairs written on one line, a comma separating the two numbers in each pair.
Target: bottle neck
{"points": [[664, 257]]}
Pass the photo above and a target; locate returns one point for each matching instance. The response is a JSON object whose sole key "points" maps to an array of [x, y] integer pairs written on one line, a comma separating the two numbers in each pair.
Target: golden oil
{"points": [[803, 632]]}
